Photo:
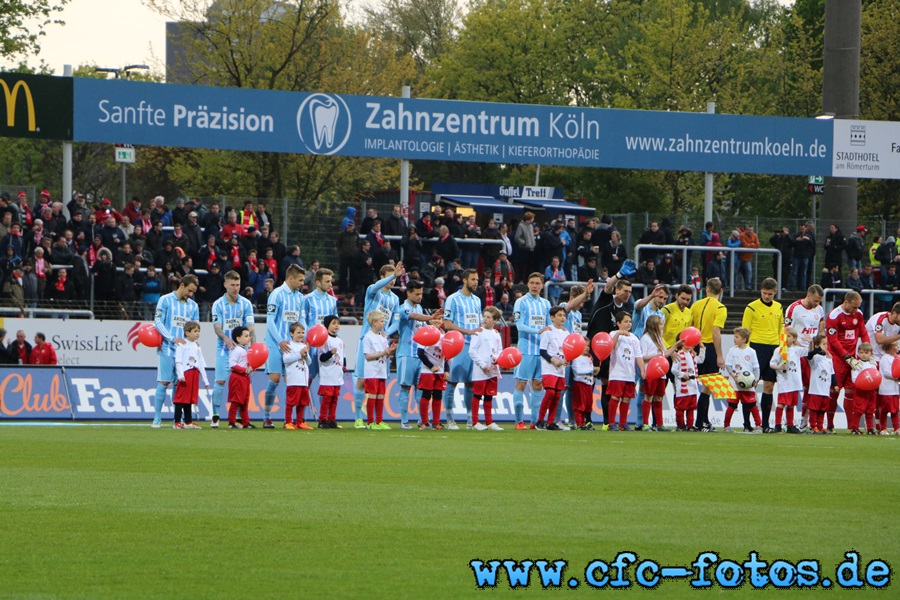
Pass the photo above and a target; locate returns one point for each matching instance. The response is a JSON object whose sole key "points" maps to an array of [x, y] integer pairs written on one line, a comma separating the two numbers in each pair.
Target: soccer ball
{"points": [[745, 380]]}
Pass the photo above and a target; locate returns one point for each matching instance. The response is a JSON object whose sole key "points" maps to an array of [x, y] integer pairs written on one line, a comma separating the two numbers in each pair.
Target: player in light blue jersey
{"points": [[172, 311], [409, 316], [378, 297], [282, 310], [643, 309], [578, 295], [317, 305], [462, 313], [230, 311], [532, 315]]}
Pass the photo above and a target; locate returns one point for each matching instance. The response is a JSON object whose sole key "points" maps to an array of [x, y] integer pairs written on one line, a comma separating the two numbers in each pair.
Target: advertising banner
{"points": [[425, 129], [866, 149], [35, 106]]}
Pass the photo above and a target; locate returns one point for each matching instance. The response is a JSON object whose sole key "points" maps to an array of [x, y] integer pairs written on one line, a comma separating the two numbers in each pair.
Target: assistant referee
{"points": [[709, 315]]}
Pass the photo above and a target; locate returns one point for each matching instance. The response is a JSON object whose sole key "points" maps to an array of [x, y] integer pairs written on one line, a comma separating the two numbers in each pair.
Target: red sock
{"points": [[756, 416], [729, 412], [623, 414], [646, 408], [554, 404], [476, 400], [488, 410], [679, 417], [882, 418], [690, 418], [789, 410], [579, 417], [657, 413], [870, 421], [435, 411], [850, 408], [232, 413], [423, 410], [613, 410], [370, 410], [545, 405], [379, 410], [245, 414], [779, 413]]}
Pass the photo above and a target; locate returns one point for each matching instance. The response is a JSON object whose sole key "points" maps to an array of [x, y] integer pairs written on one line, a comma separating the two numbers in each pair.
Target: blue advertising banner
{"points": [[118, 111]]}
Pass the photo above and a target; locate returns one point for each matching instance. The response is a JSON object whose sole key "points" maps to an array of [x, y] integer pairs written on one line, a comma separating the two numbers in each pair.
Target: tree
{"points": [[18, 37], [423, 29]]}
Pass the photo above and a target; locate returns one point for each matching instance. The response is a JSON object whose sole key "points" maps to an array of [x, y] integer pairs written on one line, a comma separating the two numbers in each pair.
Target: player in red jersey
{"points": [[807, 317], [845, 329]]}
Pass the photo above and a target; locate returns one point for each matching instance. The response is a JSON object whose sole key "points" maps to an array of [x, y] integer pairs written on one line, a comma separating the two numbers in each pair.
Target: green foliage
{"points": [[22, 24]]}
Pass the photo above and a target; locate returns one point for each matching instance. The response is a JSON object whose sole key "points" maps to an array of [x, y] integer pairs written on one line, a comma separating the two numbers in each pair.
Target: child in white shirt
{"points": [[191, 367], [583, 373], [741, 357], [621, 388], [889, 390], [484, 350], [684, 369], [296, 368], [553, 368], [331, 373], [790, 380], [432, 383], [377, 351], [821, 384]]}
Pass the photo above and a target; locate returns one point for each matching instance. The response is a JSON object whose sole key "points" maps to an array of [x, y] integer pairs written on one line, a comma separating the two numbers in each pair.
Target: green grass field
{"points": [[119, 512]]}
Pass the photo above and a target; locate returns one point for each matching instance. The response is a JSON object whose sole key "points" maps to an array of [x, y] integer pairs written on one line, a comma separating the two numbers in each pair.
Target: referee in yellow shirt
{"points": [[709, 315], [765, 320], [677, 315]]}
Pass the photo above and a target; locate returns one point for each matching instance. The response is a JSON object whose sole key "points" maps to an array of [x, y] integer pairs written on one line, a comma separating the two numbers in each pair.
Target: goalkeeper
{"points": [[845, 328]]}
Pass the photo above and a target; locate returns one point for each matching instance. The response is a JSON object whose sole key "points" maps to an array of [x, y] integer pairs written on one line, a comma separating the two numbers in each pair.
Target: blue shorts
{"points": [[359, 371], [408, 370], [529, 369], [222, 370], [461, 367], [275, 362], [166, 370]]}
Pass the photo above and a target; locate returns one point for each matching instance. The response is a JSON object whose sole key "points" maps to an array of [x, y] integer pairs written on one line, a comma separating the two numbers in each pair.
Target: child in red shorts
{"points": [[296, 368], [821, 384], [790, 381], [331, 373], [889, 390], [864, 401], [625, 355], [239, 381], [583, 373], [553, 368], [191, 367], [684, 368], [432, 383], [742, 358], [377, 351], [484, 350], [652, 345]]}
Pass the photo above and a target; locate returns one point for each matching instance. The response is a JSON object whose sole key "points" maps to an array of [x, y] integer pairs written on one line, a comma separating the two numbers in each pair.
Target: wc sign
{"points": [[815, 184]]}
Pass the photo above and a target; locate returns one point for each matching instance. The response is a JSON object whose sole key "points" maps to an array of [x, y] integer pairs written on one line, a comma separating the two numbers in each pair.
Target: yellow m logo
{"points": [[11, 97]]}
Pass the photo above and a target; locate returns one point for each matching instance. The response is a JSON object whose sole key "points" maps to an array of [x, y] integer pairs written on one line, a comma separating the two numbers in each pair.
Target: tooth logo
{"points": [[323, 122]]}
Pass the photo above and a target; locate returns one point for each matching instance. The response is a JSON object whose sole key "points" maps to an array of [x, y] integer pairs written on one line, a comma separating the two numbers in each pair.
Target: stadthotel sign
{"points": [[423, 129]]}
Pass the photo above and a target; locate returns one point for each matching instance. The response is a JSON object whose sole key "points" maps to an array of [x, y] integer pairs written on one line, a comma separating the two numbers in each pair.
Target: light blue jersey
{"points": [[532, 313], [464, 312], [171, 315], [229, 316], [639, 318], [386, 302], [284, 308], [573, 321], [407, 328], [317, 306]]}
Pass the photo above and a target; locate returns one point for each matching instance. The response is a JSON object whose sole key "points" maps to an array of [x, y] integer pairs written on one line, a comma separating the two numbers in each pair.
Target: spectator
{"points": [[170, 278], [126, 227], [155, 238], [125, 255], [247, 217], [208, 254], [263, 300], [554, 244], [194, 233], [61, 290], [212, 221], [425, 227], [143, 225], [602, 231], [471, 252], [804, 251], [279, 250], [14, 290], [272, 264], [454, 277], [706, 236], [505, 306], [831, 277], [685, 238], [19, 349], [554, 274], [490, 252], [292, 258], [504, 237], [646, 273], [667, 271], [166, 255], [81, 231], [133, 211], [715, 267], [873, 249], [525, 245], [347, 246], [41, 269], [395, 224], [436, 297], [502, 268], [853, 281], [363, 274], [856, 245], [127, 292], [375, 237], [749, 239], [888, 283], [6, 356], [867, 278], [413, 254], [614, 253], [151, 290], [834, 247], [369, 221], [666, 227], [179, 240], [9, 263], [43, 352], [485, 291], [263, 217], [104, 277], [589, 270], [14, 239], [433, 270], [101, 214], [31, 285], [385, 255], [35, 237], [784, 243], [886, 255], [446, 246], [26, 216], [258, 280], [731, 259]]}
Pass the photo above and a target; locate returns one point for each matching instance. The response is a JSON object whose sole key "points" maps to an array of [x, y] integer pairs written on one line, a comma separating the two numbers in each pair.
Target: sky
{"points": [[109, 33]]}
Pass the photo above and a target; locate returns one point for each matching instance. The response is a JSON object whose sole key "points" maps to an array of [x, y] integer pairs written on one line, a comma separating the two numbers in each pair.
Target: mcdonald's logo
{"points": [[11, 96]]}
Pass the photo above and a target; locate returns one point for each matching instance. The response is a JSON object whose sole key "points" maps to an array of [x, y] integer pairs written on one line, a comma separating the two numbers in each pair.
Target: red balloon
{"points": [[691, 336], [657, 368], [573, 346], [868, 379], [316, 336], [895, 368], [509, 358], [257, 355], [149, 336], [453, 343], [429, 335], [602, 345]]}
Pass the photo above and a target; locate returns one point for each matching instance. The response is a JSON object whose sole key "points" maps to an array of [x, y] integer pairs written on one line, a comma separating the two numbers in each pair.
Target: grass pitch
{"points": [[120, 512]]}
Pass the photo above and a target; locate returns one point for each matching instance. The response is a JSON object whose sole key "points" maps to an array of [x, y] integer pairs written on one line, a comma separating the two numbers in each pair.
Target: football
{"points": [[745, 380]]}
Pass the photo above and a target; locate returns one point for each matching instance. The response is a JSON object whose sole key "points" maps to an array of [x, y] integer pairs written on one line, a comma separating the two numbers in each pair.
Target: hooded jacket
{"points": [[350, 216]]}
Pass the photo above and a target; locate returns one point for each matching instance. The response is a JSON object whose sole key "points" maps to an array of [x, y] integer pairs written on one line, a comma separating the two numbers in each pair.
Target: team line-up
{"points": [[638, 348]]}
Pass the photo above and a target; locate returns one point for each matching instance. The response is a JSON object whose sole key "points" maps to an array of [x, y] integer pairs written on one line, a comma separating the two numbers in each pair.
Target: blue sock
{"points": [[403, 404], [270, 397], [519, 404], [218, 392], [467, 400], [449, 396], [158, 400], [418, 396], [536, 397], [359, 398]]}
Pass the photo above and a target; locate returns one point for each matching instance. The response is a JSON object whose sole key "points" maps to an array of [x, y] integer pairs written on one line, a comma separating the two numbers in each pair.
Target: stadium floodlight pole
{"points": [[404, 178], [67, 159], [708, 190]]}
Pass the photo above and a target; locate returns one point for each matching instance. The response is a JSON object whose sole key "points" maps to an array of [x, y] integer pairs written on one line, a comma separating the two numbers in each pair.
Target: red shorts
{"points": [[620, 389], [485, 387], [818, 403], [329, 391], [654, 387], [686, 403], [865, 401], [582, 396], [298, 395], [375, 387], [552, 382], [238, 388], [746, 396], [842, 374], [432, 382], [187, 392], [890, 403], [788, 398]]}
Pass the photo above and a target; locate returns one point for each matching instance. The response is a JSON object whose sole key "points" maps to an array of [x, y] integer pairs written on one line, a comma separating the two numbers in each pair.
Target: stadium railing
{"points": [[831, 294]]}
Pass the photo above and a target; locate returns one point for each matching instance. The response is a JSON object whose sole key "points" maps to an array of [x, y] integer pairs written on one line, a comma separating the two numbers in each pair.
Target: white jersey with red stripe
{"points": [[685, 365], [845, 332], [805, 320], [880, 323]]}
